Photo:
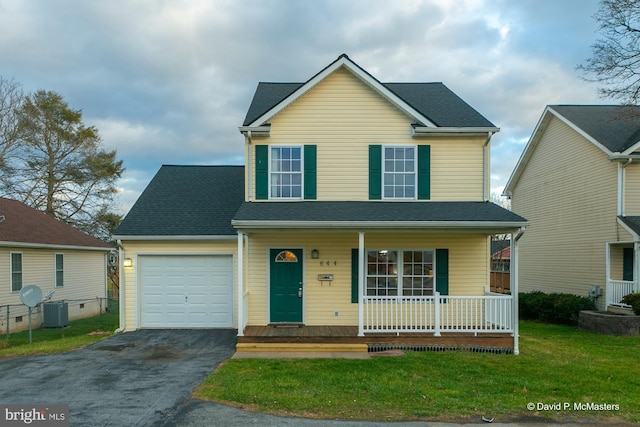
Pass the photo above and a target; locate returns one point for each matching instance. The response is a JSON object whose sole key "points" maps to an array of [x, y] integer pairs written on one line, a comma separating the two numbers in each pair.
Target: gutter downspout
{"points": [[514, 287], [120, 287], [485, 167], [621, 185]]}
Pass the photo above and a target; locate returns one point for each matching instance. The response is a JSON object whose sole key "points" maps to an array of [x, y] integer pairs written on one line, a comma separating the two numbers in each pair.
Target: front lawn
{"points": [[557, 366], [54, 340]]}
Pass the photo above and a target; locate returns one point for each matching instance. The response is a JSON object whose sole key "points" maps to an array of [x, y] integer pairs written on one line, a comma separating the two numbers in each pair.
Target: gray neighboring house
{"points": [[578, 182]]}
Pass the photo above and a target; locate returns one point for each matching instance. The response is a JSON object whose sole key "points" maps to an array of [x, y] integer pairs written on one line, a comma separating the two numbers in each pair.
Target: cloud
{"points": [[170, 82]]}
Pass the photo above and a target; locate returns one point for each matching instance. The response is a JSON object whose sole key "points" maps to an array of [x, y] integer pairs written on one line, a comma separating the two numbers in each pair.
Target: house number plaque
{"points": [[328, 263]]}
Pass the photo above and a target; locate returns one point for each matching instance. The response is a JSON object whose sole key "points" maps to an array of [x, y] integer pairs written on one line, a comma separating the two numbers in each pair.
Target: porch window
{"points": [[399, 172], [413, 278], [16, 271], [285, 173]]}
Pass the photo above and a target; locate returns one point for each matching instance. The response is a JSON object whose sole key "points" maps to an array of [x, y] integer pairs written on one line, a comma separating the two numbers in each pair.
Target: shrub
{"points": [[553, 308], [634, 301]]}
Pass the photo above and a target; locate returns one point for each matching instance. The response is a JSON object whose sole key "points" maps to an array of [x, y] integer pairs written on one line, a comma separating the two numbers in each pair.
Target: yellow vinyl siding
{"points": [[568, 193], [84, 281], [632, 194], [468, 268], [132, 249], [342, 116]]}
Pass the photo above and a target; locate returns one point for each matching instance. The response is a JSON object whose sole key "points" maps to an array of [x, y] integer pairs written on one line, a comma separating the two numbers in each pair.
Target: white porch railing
{"points": [[438, 313], [617, 289]]}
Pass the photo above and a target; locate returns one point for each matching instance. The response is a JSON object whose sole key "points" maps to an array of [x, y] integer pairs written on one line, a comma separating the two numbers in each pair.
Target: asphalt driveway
{"points": [[140, 378]]}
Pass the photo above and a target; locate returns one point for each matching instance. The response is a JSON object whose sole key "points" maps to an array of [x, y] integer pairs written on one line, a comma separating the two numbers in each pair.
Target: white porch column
{"points": [[240, 283], [513, 276], [607, 275], [361, 279], [636, 267]]}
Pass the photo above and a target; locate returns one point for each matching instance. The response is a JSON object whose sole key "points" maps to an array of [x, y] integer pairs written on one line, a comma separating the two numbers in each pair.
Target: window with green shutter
{"points": [[310, 172], [285, 172], [262, 172], [375, 172], [399, 172]]}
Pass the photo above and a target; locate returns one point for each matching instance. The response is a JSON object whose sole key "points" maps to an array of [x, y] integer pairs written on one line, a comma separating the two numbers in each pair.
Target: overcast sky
{"points": [[169, 82]]}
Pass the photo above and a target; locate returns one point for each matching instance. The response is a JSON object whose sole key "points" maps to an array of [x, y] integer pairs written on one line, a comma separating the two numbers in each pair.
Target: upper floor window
{"points": [[16, 271], [59, 270], [285, 173], [399, 172]]}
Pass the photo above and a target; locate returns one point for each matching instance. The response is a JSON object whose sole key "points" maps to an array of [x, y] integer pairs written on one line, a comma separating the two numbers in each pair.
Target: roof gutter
{"points": [[619, 157], [53, 246], [256, 130], [417, 131], [462, 225], [214, 238]]}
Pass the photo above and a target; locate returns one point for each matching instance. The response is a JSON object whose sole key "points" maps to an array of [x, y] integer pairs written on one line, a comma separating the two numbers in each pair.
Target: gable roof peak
{"points": [[429, 104]]}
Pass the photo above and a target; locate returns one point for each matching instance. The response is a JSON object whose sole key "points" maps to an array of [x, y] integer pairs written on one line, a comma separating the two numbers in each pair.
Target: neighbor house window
{"points": [[285, 173], [16, 272], [400, 272], [399, 172], [59, 270]]}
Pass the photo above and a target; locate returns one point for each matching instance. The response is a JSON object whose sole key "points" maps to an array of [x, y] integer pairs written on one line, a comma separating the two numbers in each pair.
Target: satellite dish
{"points": [[31, 295]]}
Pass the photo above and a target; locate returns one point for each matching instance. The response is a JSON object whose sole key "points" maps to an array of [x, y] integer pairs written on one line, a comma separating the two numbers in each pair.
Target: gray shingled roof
{"points": [[187, 201], [617, 127], [376, 212], [633, 222], [433, 100]]}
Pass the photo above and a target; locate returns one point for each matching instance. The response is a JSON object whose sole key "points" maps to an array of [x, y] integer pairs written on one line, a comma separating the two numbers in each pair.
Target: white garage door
{"points": [[186, 291]]}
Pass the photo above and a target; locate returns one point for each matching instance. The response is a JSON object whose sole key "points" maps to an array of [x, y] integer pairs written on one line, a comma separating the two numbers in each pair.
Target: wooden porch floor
{"points": [[300, 334]]}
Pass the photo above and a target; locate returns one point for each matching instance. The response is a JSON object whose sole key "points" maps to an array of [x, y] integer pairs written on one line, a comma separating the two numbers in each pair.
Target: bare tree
{"points": [[11, 101], [616, 55]]}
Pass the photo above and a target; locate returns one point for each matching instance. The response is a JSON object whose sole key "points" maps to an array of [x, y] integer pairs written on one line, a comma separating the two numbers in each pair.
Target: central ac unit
{"points": [[56, 314]]}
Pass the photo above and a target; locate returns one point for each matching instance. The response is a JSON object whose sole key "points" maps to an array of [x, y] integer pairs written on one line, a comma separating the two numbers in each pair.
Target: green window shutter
{"points": [[262, 172], [442, 271], [424, 172], [354, 276], [310, 171], [375, 172]]}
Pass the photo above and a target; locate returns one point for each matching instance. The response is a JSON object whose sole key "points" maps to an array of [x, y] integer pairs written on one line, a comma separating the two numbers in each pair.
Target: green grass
{"points": [[556, 364], [47, 340]]}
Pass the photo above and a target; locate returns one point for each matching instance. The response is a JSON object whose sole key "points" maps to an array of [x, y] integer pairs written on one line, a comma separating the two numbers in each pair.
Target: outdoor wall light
{"points": [[128, 262], [315, 254]]}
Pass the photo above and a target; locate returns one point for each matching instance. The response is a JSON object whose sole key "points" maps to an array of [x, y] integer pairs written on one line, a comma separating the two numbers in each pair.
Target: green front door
{"points": [[286, 285]]}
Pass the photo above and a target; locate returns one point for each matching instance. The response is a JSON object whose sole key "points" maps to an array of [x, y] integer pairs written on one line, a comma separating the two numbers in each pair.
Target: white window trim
{"points": [[415, 171], [55, 268], [270, 172], [11, 270], [400, 275]]}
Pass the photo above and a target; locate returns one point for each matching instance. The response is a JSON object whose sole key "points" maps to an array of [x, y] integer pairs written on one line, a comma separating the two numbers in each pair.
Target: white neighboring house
{"points": [[36, 249], [578, 182]]}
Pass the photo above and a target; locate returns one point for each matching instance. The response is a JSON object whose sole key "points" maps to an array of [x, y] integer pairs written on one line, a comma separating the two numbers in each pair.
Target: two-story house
{"points": [[361, 218], [578, 182]]}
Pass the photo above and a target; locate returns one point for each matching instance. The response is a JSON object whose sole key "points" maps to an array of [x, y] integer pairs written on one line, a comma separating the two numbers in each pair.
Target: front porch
{"points": [[622, 262], [302, 338], [439, 323]]}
